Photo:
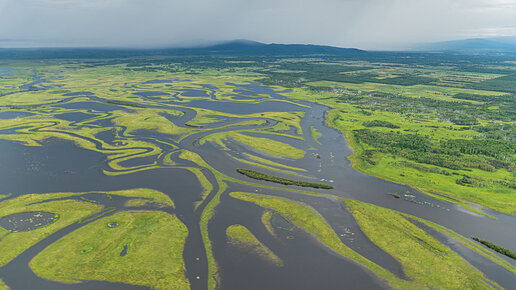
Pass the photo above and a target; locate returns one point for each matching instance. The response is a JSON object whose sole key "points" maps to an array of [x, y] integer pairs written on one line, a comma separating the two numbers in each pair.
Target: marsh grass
{"points": [[408, 244], [69, 211], [240, 236], [3, 286], [261, 144], [424, 259], [154, 257]]}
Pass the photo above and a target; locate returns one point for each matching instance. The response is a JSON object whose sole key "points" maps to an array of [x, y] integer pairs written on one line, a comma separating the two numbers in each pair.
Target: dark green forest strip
{"points": [[124, 103], [497, 248], [263, 176]]}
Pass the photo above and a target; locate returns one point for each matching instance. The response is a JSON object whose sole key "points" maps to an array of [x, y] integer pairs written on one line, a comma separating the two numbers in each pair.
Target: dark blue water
{"points": [[14, 114], [75, 117]]}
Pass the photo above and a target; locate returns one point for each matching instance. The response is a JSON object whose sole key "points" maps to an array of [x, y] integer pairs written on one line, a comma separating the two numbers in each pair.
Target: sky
{"points": [[366, 24]]}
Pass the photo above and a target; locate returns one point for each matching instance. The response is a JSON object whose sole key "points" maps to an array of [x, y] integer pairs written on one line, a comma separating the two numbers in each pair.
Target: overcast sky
{"points": [[368, 24]]}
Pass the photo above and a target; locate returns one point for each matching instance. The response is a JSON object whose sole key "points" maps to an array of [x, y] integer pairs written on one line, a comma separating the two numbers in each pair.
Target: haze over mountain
{"points": [[493, 44], [365, 24], [234, 47]]}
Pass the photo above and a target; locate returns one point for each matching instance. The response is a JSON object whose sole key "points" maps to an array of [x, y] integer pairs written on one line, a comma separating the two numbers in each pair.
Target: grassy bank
{"points": [[490, 186]]}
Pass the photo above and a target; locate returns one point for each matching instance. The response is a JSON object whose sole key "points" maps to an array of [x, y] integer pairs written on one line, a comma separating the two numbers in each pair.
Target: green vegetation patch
{"points": [[3, 286], [455, 167], [443, 127], [68, 212], [425, 260], [380, 123], [479, 249], [2, 196], [149, 119], [416, 250], [240, 236], [150, 194], [315, 134], [138, 202], [308, 219], [265, 145], [497, 248], [504, 84], [153, 242], [266, 221], [262, 176]]}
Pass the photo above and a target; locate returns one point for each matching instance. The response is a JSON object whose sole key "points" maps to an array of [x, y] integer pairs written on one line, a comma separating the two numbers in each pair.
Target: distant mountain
{"points": [[236, 47], [495, 44], [258, 48]]}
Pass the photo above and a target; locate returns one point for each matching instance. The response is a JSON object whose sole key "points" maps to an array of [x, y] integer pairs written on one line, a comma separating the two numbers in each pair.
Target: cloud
{"points": [[376, 24]]}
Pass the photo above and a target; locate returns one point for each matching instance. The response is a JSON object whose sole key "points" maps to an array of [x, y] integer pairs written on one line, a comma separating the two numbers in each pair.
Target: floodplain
{"points": [[281, 173]]}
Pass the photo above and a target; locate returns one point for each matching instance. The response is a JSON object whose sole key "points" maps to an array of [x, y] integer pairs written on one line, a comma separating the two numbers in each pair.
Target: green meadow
{"points": [[467, 149], [153, 242]]}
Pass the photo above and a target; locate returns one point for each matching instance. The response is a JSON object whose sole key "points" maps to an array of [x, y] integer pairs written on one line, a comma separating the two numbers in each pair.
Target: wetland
{"points": [[122, 174]]}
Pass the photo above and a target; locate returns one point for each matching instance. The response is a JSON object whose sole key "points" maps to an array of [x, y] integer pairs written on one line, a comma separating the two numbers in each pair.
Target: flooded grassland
{"points": [[113, 178]]}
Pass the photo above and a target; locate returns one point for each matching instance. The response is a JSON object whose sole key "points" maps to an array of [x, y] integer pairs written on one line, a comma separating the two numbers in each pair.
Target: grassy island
{"points": [[142, 248], [497, 248], [240, 237], [262, 176]]}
